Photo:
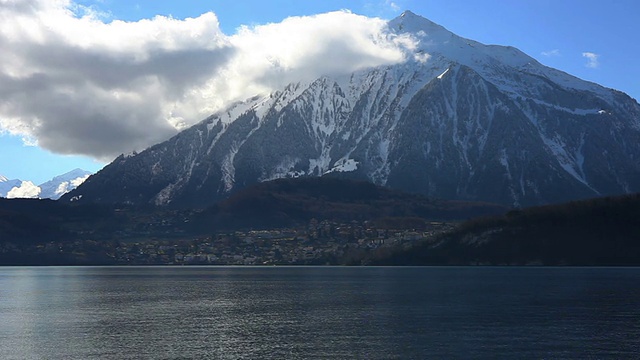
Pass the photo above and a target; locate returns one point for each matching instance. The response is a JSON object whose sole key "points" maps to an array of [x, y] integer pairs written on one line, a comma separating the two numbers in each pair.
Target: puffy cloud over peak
{"points": [[27, 189], [81, 85], [302, 48]]}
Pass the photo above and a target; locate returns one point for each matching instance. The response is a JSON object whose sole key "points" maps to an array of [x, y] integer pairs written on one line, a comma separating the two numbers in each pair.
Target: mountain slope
{"points": [[294, 202], [456, 120]]}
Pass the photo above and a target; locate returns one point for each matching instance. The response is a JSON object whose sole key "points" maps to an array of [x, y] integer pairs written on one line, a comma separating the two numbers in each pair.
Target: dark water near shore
{"points": [[318, 312]]}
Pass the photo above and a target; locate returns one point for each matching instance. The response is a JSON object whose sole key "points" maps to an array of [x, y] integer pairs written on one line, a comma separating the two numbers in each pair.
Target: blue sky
{"points": [[593, 40]]}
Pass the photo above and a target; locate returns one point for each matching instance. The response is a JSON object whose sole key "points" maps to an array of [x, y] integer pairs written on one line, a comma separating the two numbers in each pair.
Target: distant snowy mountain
{"points": [[60, 185], [6, 185], [457, 120], [51, 189]]}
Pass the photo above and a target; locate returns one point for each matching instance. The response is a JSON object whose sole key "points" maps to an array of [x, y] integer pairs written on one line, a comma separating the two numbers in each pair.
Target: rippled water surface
{"points": [[318, 312]]}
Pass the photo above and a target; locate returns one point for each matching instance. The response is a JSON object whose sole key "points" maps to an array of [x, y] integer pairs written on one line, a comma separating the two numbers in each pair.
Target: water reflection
{"points": [[306, 313]]}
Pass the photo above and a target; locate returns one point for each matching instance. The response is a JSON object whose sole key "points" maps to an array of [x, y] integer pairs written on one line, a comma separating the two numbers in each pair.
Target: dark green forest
{"points": [[602, 231], [294, 202]]}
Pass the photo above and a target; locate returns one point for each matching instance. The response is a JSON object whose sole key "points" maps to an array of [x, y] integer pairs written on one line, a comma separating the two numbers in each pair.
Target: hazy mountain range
{"points": [[457, 120], [51, 189]]}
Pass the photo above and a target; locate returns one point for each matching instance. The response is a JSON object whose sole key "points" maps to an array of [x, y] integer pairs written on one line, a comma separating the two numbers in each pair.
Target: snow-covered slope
{"points": [[457, 120]]}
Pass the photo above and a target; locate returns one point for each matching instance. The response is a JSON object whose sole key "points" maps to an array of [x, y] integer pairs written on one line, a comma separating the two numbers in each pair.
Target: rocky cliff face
{"points": [[456, 120]]}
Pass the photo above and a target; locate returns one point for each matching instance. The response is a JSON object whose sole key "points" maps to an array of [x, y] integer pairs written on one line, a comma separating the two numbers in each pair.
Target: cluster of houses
{"points": [[318, 243]]}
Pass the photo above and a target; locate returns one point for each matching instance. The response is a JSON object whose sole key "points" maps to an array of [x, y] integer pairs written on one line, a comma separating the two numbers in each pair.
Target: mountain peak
{"points": [[3, 178], [77, 172], [442, 48], [411, 22], [408, 13]]}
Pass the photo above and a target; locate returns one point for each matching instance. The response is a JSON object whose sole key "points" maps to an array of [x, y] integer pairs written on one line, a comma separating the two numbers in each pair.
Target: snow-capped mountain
{"points": [[6, 185], [52, 189], [457, 120], [62, 184]]}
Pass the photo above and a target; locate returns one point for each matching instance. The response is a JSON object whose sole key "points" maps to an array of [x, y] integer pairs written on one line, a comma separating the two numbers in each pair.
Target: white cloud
{"points": [[80, 85], [66, 186], [62, 189], [79, 180], [392, 5], [551, 53], [27, 189], [592, 59], [302, 48]]}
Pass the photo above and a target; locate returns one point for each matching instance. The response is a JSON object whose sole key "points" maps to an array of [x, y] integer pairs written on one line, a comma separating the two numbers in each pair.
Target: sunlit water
{"points": [[318, 313]]}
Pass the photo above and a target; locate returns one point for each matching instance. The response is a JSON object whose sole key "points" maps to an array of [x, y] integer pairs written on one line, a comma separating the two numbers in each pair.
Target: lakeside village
{"points": [[319, 243]]}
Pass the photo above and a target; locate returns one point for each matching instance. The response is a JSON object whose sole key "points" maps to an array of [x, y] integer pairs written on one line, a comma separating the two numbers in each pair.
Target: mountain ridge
{"points": [[457, 120]]}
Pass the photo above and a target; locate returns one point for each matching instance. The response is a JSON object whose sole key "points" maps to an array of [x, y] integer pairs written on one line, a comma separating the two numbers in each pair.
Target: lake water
{"points": [[318, 313]]}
